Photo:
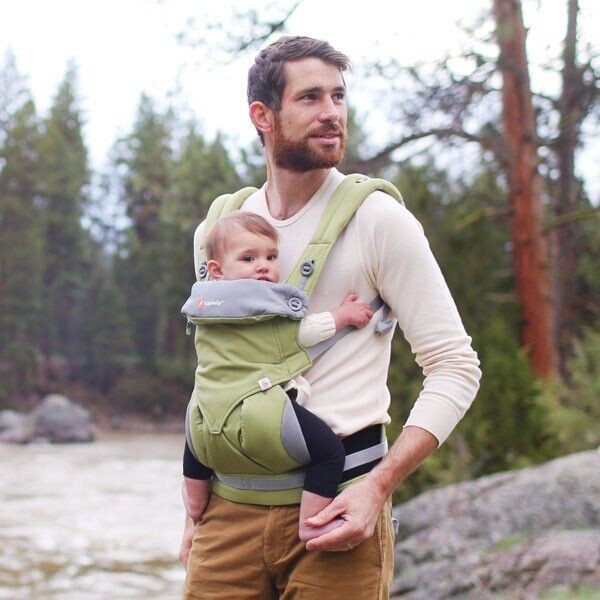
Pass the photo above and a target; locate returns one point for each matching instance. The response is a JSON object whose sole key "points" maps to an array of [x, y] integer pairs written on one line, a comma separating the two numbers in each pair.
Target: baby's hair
{"points": [[220, 236]]}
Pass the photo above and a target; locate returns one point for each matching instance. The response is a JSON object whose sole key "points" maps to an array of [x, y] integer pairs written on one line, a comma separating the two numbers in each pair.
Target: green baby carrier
{"points": [[240, 421]]}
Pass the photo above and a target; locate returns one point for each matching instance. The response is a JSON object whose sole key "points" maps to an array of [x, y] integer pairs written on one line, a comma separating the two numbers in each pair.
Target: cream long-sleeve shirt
{"points": [[383, 251]]}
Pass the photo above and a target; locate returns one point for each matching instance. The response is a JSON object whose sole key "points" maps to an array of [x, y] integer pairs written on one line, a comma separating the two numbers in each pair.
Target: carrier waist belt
{"points": [[364, 449]]}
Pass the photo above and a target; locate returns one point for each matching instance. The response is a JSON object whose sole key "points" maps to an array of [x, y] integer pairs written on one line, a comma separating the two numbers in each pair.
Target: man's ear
{"points": [[214, 269], [261, 116]]}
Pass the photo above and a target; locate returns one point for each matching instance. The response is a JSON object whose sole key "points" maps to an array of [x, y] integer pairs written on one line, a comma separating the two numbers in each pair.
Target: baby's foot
{"points": [[306, 532]]}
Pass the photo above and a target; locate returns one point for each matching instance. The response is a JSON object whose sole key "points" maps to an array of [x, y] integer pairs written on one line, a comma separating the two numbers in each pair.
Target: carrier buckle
{"points": [[307, 268]]}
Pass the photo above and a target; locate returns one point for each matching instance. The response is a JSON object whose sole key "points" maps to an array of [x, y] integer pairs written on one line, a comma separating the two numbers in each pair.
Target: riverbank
{"points": [[135, 423], [112, 414]]}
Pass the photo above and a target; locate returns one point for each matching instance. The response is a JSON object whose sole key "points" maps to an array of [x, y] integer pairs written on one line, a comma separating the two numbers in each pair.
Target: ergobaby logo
{"points": [[202, 303]]}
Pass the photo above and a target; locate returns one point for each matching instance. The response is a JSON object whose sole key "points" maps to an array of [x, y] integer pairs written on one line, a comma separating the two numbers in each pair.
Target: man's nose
{"points": [[330, 111]]}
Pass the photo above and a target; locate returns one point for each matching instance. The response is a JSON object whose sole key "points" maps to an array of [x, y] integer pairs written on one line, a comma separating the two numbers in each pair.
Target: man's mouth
{"points": [[326, 135], [327, 139]]}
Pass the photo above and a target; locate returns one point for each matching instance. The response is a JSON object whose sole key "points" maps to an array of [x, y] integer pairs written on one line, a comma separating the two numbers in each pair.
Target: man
{"points": [[296, 94]]}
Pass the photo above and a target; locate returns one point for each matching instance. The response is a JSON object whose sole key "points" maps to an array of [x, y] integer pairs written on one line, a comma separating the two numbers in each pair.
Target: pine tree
{"points": [[13, 94], [110, 339], [144, 159], [64, 175], [20, 254]]}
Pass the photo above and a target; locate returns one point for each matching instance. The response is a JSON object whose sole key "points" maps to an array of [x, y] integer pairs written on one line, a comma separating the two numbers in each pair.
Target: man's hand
{"points": [[359, 505], [186, 541]]}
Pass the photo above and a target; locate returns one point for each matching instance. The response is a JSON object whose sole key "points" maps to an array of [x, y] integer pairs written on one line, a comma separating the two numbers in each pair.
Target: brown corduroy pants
{"points": [[250, 552]]}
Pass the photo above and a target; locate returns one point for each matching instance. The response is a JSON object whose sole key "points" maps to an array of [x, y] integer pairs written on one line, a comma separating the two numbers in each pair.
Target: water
{"points": [[92, 521]]}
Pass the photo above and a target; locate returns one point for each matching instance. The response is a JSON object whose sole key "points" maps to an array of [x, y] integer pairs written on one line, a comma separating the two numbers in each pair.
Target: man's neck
{"points": [[287, 191]]}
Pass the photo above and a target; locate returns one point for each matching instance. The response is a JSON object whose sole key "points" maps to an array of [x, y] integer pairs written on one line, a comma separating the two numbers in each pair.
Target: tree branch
{"points": [[383, 158], [272, 28]]}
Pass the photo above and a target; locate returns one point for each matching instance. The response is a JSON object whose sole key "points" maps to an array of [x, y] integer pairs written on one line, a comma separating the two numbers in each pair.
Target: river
{"points": [[98, 521]]}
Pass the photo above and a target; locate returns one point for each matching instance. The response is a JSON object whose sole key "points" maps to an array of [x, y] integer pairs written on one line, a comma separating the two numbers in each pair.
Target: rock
{"points": [[510, 532], [59, 420], [10, 419], [56, 420], [565, 559], [15, 427]]}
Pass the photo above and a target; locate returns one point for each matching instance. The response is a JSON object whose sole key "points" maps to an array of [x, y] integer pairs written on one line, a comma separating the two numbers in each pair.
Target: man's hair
{"points": [[224, 230], [266, 77]]}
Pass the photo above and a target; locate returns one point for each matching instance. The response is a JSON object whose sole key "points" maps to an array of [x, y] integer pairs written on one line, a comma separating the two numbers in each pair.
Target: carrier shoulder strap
{"points": [[340, 209]]}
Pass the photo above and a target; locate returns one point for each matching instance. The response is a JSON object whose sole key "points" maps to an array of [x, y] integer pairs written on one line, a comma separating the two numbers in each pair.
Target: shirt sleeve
{"points": [[398, 258], [315, 328]]}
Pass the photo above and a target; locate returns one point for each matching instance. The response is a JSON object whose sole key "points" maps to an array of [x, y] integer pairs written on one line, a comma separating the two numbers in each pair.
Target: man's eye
{"points": [[308, 97], [339, 96]]}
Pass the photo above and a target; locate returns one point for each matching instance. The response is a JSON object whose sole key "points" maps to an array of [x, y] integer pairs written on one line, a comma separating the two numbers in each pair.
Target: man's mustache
{"points": [[328, 129]]}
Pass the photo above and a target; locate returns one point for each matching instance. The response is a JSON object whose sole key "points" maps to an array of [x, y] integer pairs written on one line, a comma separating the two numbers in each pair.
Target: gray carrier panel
{"points": [[242, 298]]}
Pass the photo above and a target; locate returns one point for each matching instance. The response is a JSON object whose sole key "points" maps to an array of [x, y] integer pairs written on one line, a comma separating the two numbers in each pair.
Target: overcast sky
{"points": [[126, 47]]}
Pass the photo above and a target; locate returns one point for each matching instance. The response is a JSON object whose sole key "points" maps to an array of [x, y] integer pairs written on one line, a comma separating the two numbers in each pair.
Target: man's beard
{"points": [[300, 157]]}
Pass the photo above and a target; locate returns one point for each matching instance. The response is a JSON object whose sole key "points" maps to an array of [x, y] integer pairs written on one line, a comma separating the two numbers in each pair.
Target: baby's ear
{"points": [[214, 269]]}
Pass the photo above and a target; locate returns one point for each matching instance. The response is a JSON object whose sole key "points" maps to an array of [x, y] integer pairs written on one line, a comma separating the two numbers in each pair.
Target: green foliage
{"points": [[588, 266], [13, 94], [511, 542], [63, 177], [573, 406], [507, 425], [20, 254], [144, 158], [109, 337], [584, 367], [144, 161], [581, 592], [145, 393]]}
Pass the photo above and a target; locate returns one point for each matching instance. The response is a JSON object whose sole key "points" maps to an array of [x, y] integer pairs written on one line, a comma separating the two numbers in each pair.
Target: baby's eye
{"points": [[247, 258], [272, 257]]}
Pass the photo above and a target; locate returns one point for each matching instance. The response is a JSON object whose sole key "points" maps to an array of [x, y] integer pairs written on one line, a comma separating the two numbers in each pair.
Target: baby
{"points": [[244, 245]]}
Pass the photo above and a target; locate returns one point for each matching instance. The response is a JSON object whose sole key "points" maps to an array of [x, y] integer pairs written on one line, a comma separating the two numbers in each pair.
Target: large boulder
{"points": [[508, 535], [57, 420], [15, 427]]}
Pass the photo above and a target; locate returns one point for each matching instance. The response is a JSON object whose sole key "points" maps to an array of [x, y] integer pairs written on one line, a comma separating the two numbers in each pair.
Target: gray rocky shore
{"points": [[520, 534]]}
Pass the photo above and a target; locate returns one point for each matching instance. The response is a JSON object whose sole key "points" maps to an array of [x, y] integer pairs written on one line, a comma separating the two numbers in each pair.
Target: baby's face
{"points": [[251, 256]]}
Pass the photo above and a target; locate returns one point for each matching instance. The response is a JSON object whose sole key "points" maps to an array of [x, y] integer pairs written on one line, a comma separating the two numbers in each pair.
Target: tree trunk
{"points": [[530, 250], [566, 235]]}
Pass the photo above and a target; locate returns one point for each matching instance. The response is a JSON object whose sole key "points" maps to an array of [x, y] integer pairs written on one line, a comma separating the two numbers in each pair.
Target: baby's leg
{"points": [[323, 474]]}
